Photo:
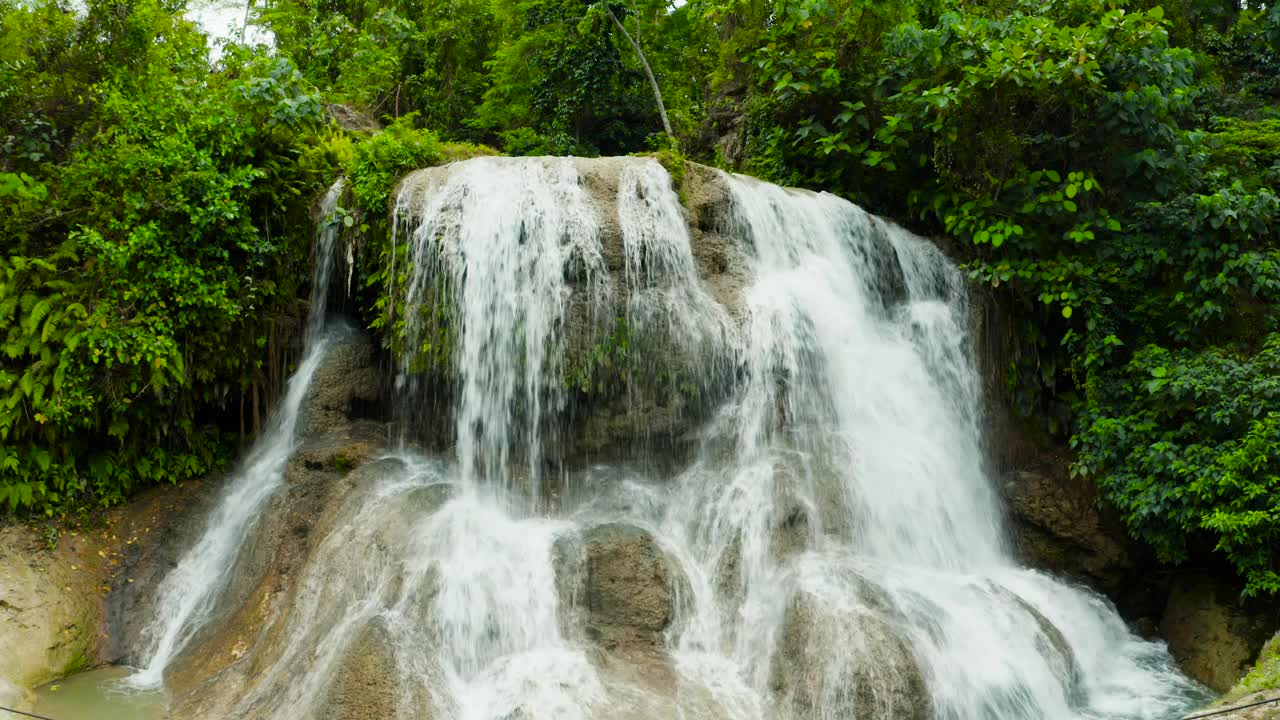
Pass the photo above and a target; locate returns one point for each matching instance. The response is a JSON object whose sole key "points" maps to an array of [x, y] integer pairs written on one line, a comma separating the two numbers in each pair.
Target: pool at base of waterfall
{"points": [[99, 695]]}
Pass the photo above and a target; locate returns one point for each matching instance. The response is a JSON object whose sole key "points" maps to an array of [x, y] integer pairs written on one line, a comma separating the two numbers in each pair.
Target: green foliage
{"points": [[1116, 188], [379, 163], [1248, 150], [1210, 421], [604, 368], [560, 85], [534, 76], [157, 221], [424, 56]]}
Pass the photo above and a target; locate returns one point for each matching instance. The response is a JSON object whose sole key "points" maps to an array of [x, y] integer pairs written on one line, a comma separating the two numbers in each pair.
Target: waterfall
{"points": [[855, 420], [188, 595], [859, 424], [823, 542], [496, 243], [321, 275]]}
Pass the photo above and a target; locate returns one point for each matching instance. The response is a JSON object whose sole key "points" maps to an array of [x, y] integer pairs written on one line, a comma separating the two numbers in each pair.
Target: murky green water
{"points": [[97, 695]]}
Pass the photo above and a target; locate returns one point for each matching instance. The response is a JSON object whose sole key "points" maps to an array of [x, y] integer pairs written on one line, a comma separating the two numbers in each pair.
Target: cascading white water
{"points": [[666, 306], [188, 595], [857, 412], [502, 236], [321, 275], [861, 410], [837, 548]]}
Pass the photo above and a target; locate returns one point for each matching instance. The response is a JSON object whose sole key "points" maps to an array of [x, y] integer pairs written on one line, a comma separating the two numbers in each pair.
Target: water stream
{"points": [[837, 546], [189, 594]]}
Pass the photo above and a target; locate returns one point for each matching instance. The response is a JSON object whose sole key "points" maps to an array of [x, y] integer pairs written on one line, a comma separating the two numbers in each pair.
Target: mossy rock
{"points": [[1265, 674]]}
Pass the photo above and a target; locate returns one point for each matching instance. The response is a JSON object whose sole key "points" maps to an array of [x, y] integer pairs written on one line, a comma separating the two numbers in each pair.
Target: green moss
{"points": [[458, 151], [78, 662], [81, 646], [343, 463], [676, 165]]}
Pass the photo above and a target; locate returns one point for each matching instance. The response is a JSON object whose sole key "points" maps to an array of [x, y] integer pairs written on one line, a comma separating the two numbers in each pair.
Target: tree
{"points": [[648, 71]]}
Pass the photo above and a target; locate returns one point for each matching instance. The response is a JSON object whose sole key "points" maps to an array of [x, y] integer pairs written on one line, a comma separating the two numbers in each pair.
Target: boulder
{"points": [[353, 119], [1059, 527], [845, 663], [346, 387], [1264, 678], [617, 585], [1261, 685], [1212, 635]]}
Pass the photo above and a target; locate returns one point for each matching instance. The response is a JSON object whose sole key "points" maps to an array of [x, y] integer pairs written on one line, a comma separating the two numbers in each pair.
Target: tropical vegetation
{"points": [[1107, 169]]}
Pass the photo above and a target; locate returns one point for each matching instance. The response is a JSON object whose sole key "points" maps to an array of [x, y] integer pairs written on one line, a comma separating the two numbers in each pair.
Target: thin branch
{"points": [[648, 71]]}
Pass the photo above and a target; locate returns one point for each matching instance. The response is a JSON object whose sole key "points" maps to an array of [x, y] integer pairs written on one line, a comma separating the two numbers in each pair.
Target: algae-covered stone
{"points": [[1265, 675], [1210, 633]]}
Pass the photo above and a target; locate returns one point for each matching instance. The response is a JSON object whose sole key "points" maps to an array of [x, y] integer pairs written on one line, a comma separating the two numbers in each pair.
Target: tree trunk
{"points": [[648, 71]]}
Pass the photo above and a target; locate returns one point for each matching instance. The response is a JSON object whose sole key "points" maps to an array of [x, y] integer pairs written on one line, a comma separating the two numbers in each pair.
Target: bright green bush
{"points": [[1189, 446], [378, 163]]}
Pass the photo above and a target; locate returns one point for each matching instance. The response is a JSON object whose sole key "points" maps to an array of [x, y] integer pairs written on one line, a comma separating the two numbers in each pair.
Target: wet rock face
{"points": [[49, 613], [84, 601], [154, 531], [347, 387], [845, 664], [1214, 638], [366, 685], [617, 585], [1059, 526], [720, 262], [230, 655]]}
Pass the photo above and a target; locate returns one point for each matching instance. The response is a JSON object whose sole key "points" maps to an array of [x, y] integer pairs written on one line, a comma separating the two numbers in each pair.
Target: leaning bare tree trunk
{"points": [[648, 71]]}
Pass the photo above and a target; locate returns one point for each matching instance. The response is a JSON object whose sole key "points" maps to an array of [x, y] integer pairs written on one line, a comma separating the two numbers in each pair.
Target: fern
{"points": [[50, 327], [38, 313]]}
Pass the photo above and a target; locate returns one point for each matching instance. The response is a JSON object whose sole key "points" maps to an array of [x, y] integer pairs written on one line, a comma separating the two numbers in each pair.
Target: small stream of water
{"points": [[188, 595]]}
